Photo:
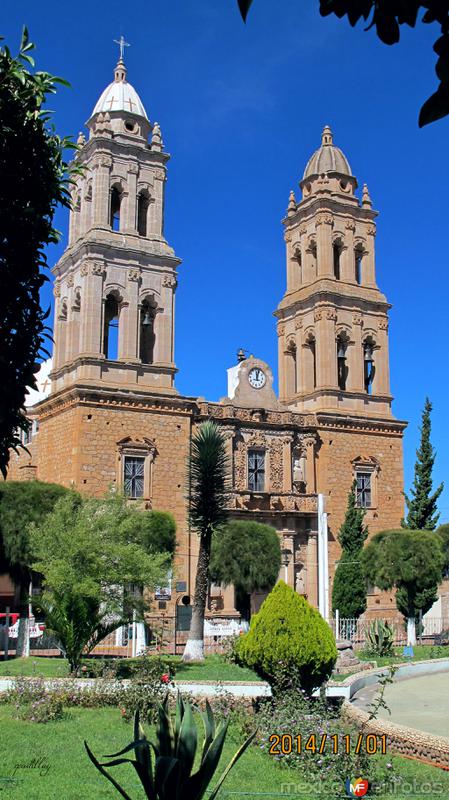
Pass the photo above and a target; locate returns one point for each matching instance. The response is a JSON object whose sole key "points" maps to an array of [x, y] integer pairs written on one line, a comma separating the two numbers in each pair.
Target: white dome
{"points": [[120, 96]]}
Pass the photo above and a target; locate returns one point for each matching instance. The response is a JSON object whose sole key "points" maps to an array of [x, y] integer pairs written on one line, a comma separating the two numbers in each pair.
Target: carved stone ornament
{"points": [[104, 161], [133, 275], [133, 169], [298, 324], [276, 466], [331, 314], [317, 314], [324, 219], [97, 268], [281, 328], [169, 281], [57, 290], [84, 270], [371, 230], [303, 231], [287, 236], [350, 225], [357, 319], [383, 324], [159, 174], [70, 281]]}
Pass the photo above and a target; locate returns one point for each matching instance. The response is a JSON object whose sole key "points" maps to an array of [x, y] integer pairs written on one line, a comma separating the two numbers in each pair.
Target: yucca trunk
{"points": [[194, 650]]}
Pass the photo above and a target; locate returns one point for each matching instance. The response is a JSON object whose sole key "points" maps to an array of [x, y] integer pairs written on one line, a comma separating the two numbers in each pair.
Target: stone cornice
{"points": [[353, 422], [349, 297], [349, 207], [110, 249], [140, 149], [255, 417]]}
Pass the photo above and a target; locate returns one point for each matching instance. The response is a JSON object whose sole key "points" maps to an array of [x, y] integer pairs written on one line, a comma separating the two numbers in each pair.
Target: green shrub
{"points": [[148, 668], [288, 643], [48, 708]]}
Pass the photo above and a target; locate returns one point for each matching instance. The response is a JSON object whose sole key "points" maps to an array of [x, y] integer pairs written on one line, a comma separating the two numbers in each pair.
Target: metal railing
{"points": [[356, 630]]}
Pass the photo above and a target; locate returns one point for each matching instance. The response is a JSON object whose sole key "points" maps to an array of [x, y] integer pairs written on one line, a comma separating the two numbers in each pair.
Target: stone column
{"points": [[130, 218], [91, 335], [381, 383], [156, 211], [57, 355], [356, 380], [101, 191], [74, 324], [312, 569], [347, 260], [163, 343], [368, 262], [287, 542], [281, 360], [130, 320], [326, 349], [287, 462], [325, 265]]}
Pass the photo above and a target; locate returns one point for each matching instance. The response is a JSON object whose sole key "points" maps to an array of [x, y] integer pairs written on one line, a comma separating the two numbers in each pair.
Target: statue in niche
{"points": [[300, 583], [299, 481]]}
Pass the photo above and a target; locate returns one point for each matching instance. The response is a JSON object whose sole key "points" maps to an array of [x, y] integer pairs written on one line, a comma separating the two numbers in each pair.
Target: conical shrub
{"points": [[289, 642]]}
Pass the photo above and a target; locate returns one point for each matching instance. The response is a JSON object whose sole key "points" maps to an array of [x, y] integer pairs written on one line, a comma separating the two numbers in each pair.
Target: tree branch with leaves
{"points": [[34, 180], [387, 17]]}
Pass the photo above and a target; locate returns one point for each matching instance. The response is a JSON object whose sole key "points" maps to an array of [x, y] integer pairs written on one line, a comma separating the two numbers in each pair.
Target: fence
{"points": [[355, 630], [128, 641]]}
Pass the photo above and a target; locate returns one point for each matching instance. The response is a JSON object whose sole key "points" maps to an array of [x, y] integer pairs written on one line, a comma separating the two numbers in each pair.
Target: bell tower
{"points": [[332, 320], [115, 283]]}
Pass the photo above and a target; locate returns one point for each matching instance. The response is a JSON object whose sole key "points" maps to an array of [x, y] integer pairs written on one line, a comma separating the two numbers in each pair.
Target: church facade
{"points": [[112, 415]]}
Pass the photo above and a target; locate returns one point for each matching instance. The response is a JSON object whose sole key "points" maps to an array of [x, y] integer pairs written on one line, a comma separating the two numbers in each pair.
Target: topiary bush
{"points": [[289, 643]]}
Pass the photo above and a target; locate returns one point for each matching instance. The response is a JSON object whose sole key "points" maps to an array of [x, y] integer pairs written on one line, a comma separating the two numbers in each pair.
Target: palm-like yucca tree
{"points": [[208, 480]]}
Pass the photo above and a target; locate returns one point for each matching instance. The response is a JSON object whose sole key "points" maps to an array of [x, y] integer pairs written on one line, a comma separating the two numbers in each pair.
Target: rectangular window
{"points": [[133, 477], [256, 470], [363, 489]]}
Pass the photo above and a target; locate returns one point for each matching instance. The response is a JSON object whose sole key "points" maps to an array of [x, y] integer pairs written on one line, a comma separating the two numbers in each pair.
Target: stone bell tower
{"points": [[115, 283], [333, 339]]}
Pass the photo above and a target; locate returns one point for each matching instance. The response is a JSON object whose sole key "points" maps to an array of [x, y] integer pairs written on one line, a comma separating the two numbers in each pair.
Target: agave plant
{"points": [[170, 776], [380, 638]]}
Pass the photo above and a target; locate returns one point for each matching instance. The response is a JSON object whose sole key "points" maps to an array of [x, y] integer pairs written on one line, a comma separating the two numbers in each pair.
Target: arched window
{"points": [[342, 369], [116, 201], [369, 368], [147, 335], [311, 260], [337, 255], [292, 368], [111, 327], [143, 204], [358, 258]]}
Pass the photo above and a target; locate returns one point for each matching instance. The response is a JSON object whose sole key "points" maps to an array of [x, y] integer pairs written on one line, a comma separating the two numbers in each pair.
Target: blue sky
{"points": [[241, 110]]}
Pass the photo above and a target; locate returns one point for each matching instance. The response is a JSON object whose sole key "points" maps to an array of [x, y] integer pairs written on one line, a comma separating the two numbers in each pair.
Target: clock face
{"points": [[257, 378]]}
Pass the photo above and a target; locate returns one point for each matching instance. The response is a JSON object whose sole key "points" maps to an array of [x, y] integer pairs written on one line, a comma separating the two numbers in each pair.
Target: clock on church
{"points": [[257, 378]]}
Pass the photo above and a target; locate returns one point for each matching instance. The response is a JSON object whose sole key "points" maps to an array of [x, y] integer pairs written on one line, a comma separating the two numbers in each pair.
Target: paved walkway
{"points": [[421, 702]]}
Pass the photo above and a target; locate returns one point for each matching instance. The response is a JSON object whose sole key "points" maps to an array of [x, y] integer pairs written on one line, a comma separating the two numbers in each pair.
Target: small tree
{"points": [[409, 561], [208, 499], [89, 551], [34, 179], [247, 555], [349, 589], [422, 506], [20, 504], [288, 642]]}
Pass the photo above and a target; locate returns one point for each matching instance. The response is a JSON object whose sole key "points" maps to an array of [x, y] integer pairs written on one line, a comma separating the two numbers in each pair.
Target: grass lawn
{"points": [[215, 668], [62, 770], [420, 653]]}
